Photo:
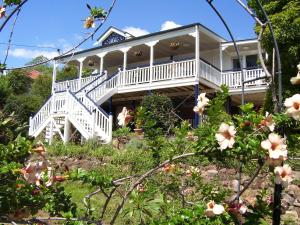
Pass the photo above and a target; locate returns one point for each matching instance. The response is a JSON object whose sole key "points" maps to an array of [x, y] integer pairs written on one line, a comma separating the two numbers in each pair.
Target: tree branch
{"points": [[138, 181]]}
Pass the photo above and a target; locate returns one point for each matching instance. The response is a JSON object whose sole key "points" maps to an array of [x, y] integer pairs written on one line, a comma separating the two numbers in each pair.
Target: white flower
{"points": [[296, 80], [201, 104], [293, 106], [242, 208], [122, 117], [276, 146], [283, 175], [213, 209], [225, 136], [268, 122]]}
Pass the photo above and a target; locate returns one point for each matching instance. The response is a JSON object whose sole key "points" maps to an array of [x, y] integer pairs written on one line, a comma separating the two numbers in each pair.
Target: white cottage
{"points": [[180, 63]]}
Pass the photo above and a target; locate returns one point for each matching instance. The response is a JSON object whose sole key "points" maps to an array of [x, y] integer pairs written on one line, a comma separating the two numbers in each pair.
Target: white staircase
{"points": [[87, 117]]}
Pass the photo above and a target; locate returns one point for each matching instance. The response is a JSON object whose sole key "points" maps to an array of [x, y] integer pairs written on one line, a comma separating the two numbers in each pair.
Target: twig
{"points": [[103, 192], [11, 14], [44, 220], [87, 200], [10, 35], [107, 201], [250, 182], [76, 46], [138, 181]]}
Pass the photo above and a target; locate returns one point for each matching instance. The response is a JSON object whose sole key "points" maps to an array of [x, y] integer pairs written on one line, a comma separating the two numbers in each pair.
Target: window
{"points": [[251, 61], [236, 64]]}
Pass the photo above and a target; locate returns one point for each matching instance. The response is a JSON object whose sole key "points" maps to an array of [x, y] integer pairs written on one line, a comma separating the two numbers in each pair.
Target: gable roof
{"points": [[111, 30]]}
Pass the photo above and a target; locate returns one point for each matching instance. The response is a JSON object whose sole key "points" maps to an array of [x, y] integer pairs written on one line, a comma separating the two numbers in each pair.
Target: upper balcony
{"points": [[176, 73]]}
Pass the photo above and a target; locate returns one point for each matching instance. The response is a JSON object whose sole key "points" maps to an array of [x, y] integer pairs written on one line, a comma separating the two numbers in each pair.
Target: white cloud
{"points": [[169, 25], [30, 54], [136, 31], [24, 53]]}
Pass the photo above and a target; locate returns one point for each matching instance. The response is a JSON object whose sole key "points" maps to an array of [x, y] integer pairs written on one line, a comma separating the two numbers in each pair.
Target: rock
{"points": [[294, 190], [211, 173], [235, 184], [288, 199], [297, 204]]}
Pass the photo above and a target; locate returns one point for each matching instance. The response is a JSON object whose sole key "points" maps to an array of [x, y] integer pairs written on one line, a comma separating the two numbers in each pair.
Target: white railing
{"points": [[79, 112], [74, 85], [161, 72], [210, 73], [233, 79], [97, 93], [55, 104], [136, 76], [174, 70], [101, 121]]}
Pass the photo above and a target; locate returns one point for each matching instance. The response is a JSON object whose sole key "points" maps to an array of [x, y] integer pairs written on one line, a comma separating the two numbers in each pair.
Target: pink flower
{"points": [[293, 106], [225, 136], [213, 209], [283, 175], [89, 22], [2, 12], [201, 104], [276, 147], [268, 122], [34, 172]]}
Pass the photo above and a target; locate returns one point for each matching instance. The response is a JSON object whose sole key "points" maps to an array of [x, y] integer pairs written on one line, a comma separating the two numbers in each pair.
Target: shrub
{"points": [[159, 111]]}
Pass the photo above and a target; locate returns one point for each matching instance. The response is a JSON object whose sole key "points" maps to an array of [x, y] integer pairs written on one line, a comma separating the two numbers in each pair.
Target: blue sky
{"points": [[59, 23]]}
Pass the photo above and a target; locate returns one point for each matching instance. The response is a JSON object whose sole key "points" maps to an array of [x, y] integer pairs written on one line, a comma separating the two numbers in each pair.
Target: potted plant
{"points": [[139, 121]]}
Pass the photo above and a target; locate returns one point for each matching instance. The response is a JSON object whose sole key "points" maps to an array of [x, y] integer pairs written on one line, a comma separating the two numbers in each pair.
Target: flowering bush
{"points": [[28, 186]]}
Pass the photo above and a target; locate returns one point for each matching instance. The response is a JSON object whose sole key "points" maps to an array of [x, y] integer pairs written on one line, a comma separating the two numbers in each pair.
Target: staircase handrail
{"points": [[81, 89], [107, 79], [72, 94]]}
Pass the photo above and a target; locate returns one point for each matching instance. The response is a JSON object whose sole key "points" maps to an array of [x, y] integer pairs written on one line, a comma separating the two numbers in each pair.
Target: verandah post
{"points": [[196, 115]]}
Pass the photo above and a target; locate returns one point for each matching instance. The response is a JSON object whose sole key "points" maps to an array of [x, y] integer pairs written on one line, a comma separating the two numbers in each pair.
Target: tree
{"points": [[19, 82], [4, 90], [41, 87], [67, 73], [285, 18], [22, 105]]}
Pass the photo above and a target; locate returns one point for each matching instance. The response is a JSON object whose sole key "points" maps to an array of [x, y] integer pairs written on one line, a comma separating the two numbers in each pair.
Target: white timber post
{"points": [[196, 35], [80, 60], [51, 132], [244, 70], [30, 125], [110, 128], [94, 123], [124, 50], [54, 76], [221, 57], [223, 77], [101, 56], [151, 45], [67, 130]]}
